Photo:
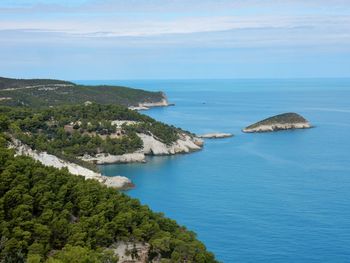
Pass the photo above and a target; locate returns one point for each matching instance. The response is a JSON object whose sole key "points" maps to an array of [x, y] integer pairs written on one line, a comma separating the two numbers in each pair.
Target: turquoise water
{"points": [[272, 197]]}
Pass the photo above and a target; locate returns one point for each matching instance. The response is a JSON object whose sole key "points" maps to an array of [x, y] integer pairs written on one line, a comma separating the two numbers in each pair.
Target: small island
{"points": [[215, 135], [285, 121]]}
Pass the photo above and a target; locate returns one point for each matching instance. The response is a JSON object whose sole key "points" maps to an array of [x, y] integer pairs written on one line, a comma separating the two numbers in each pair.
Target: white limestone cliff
{"points": [[118, 182], [185, 144], [109, 159]]}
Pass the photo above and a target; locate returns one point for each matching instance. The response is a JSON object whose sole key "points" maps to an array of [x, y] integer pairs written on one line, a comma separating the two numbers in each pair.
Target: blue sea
{"points": [[270, 197]]}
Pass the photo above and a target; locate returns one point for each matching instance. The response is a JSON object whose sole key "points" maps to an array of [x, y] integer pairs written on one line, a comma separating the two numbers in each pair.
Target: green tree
{"points": [[77, 254]]}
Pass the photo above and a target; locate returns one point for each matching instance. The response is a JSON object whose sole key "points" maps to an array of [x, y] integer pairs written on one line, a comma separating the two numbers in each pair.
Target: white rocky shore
{"points": [[118, 182], [285, 121], [162, 103], [147, 105], [185, 144], [109, 159], [217, 135], [151, 146]]}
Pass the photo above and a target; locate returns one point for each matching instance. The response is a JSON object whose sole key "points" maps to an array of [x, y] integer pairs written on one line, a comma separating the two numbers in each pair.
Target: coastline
{"points": [[117, 182], [147, 105], [151, 146], [185, 144]]}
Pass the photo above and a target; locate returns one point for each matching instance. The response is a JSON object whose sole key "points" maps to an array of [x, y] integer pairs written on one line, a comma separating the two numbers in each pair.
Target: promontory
{"points": [[285, 121]]}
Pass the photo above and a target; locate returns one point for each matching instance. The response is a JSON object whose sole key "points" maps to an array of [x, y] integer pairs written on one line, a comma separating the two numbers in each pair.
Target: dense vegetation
{"points": [[49, 215], [72, 131], [281, 118], [7, 83], [43, 93]]}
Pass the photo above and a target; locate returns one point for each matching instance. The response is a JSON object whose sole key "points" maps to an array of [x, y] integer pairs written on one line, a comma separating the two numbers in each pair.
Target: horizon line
{"points": [[165, 79]]}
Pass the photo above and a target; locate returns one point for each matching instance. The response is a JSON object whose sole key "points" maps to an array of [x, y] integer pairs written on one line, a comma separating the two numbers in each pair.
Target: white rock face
{"points": [[118, 182], [138, 108], [276, 127], [119, 123], [151, 146], [51, 160], [122, 250], [146, 105], [184, 144], [162, 103], [215, 135], [108, 158]]}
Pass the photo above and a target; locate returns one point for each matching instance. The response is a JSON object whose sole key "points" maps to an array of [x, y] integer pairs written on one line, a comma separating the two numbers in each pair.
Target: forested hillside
{"points": [[47, 92], [49, 215]]}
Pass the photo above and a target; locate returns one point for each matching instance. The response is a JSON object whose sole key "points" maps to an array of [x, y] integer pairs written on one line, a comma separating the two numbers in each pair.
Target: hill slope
{"points": [[48, 92], [49, 214], [93, 132]]}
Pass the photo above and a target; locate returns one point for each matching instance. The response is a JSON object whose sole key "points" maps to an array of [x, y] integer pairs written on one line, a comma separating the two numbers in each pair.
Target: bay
{"points": [[271, 197]]}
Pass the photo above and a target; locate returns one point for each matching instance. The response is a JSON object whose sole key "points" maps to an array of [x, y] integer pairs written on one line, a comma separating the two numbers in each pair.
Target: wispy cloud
{"points": [[204, 31], [151, 26], [142, 18], [35, 30]]}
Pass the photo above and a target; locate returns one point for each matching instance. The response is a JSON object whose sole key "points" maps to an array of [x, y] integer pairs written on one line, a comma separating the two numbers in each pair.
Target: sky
{"points": [[174, 39]]}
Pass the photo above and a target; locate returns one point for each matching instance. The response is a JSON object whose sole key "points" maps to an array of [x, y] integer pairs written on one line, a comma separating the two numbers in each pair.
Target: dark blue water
{"points": [[272, 197]]}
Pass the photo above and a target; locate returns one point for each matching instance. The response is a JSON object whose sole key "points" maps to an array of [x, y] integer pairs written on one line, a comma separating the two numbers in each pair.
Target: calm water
{"points": [[273, 197]]}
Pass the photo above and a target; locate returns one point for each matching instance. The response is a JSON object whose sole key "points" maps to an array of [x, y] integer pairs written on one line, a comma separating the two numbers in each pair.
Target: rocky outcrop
{"points": [[162, 103], [138, 108], [109, 159], [118, 182], [147, 105], [283, 121], [151, 146], [185, 144], [120, 123], [215, 135], [131, 252]]}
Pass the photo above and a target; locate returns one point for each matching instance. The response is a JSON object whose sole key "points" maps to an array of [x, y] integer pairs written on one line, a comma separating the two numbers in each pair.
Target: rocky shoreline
{"points": [[185, 144], [117, 182], [147, 105], [113, 159], [151, 146]]}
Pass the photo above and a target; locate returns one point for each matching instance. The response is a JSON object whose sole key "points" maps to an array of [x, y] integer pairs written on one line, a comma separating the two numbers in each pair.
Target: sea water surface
{"points": [[271, 197]]}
